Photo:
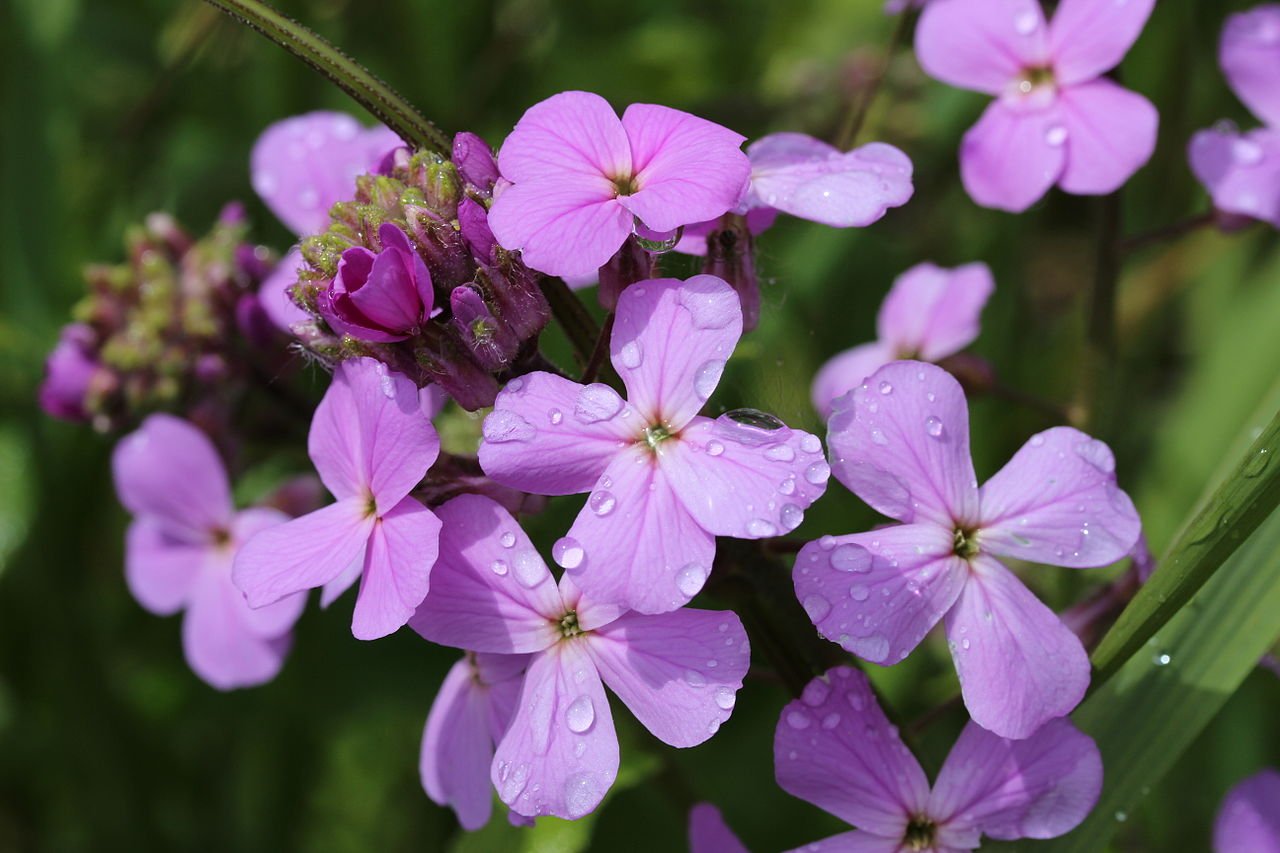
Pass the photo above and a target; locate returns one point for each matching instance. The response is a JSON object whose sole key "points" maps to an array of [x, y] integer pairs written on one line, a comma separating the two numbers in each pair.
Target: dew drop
{"points": [[580, 714], [500, 567], [689, 580], [817, 607], [631, 355], [555, 416], [597, 403], [791, 517], [726, 698], [529, 568], [933, 426], [850, 558], [886, 388], [780, 453], [817, 473], [508, 539], [760, 528], [878, 437], [798, 720], [568, 552], [1161, 659], [873, 648], [830, 721], [581, 794], [602, 502], [810, 444], [858, 592], [707, 378], [693, 678], [503, 426], [1056, 135]]}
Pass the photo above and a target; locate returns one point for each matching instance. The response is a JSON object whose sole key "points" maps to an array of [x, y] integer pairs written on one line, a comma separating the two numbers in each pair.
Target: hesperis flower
{"points": [[179, 550], [664, 481], [1056, 119], [900, 441], [371, 443], [835, 748], [678, 672], [1249, 819]]}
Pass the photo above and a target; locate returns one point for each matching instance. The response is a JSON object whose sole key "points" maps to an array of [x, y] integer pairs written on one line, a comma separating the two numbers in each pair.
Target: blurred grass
{"points": [[114, 108]]}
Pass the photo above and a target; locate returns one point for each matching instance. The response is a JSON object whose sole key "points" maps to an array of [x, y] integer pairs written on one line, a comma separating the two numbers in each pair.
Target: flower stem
{"points": [[573, 317], [1167, 232], [353, 78], [1097, 361], [856, 117], [598, 355]]}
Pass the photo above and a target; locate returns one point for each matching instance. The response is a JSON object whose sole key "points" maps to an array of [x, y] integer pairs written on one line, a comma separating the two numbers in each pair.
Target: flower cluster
{"points": [[421, 283]]}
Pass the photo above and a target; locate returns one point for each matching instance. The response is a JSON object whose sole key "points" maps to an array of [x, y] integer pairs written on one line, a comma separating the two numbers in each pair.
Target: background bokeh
{"points": [[114, 108]]}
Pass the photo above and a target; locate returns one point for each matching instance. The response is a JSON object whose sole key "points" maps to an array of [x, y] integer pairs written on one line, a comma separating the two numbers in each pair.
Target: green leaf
{"points": [[1248, 494], [350, 76], [1145, 717]]}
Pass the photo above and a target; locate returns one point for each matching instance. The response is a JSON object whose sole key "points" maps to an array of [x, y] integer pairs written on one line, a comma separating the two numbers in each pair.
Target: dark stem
{"points": [[1098, 357], [928, 718], [598, 354], [353, 78], [1167, 232], [858, 109], [573, 317], [1048, 408]]}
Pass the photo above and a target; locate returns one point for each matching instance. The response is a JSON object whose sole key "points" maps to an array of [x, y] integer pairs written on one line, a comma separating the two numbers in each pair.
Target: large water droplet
{"points": [[555, 416], [596, 403], [817, 607], [503, 425], [602, 502], [581, 794], [817, 473], [580, 714], [693, 678], [791, 517], [798, 720], [707, 378], [568, 552], [780, 453], [726, 698], [933, 426], [529, 568], [810, 444], [886, 387], [1097, 454], [689, 580], [760, 528], [631, 355], [709, 310], [714, 448], [858, 592], [830, 721], [508, 539], [850, 558], [500, 567], [874, 648]]}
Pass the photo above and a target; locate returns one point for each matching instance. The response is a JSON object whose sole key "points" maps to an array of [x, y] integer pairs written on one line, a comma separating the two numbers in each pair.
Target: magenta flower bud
{"points": [[379, 298], [443, 247], [473, 223], [629, 264], [69, 372], [490, 340], [253, 321], [731, 256], [474, 161], [445, 360]]}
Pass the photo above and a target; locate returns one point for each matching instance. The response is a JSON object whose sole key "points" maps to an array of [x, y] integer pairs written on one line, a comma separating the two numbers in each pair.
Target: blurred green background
{"points": [[114, 108]]}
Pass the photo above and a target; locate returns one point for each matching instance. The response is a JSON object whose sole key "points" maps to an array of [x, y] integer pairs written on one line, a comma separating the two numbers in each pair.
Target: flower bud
{"points": [[731, 256]]}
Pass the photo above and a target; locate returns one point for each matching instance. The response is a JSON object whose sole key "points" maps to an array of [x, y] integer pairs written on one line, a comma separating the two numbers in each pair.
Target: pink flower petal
{"points": [[900, 442], [670, 342], [457, 747], [1056, 502], [933, 312], [274, 292], [369, 436], [1250, 57], [1010, 158], [708, 833], [845, 371], [1111, 133], [390, 296], [569, 228], [219, 646], [169, 470], [687, 169], [276, 619], [550, 436], [1089, 37], [560, 754], [161, 571], [858, 842], [981, 44], [397, 567], [834, 748], [1250, 816], [304, 553], [634, 543], [693, 238], [679, 673], [490, 591], [1240, 171], [304, 165], [1040, 787], [568, 135], [808, 178], [739, 480], [878, 593], [1019, 666]]}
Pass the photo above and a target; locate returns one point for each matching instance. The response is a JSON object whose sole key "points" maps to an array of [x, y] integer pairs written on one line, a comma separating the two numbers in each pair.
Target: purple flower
{"points": [[807, 178], [469, 716], [900, 442], [179, 549], [581, 179], [68, 374], [664, 482], [1249, 819], [930, 313], [1055, 119], [379, 298], [1242, 170], [678, 673], [300, 167], [371, 443], [835, 748], [708, 833]]}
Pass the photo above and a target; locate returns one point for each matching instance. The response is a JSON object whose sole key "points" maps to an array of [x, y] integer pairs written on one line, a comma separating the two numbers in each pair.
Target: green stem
{"points": [[599, 354], [857, 114], [1097, 361], [353, 78], [573, 317], [1168, 232]]}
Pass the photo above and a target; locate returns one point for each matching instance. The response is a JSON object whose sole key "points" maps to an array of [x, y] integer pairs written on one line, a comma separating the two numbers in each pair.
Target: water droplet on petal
{"points": [[791, 516], [798, 720], [581, 794], [886, 387], [602, 502], [817, 607], [555, 416], [631, 355], [1056, 135], [818, 473], [689, 580], [850, 558], [760, 528], [726, 698], [933, 426], [780, 453], [873, 648], [568, 552], [1097, 454], [529, 568], [858, 592], [500, 567], [503, 425], [580, 714], [507, 539], [597, 403], [714, 448], [693, 678], [830, 721], [878, 437], [810, 444], [707, 378]]}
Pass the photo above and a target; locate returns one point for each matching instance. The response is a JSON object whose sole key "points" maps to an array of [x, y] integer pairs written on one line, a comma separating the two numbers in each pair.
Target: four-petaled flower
{"points": [[930, 313], [1242, 170], [664, 481], [900, 442], [383, 297], [1056, 119], [678, 673], [371, 443], [835, 748], [179, 549], [581, 179]]}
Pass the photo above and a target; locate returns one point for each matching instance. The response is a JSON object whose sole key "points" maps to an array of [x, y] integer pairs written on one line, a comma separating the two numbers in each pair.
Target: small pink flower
{"points": [[930, 313], [581, 179], [900, 442], [1242, 170], [491, 593], [371, 443], [809, 179], [1249, 819], [179, 550], [383, 297], [69, 372], [664, 481], [835, 748], [1056, 119]]}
